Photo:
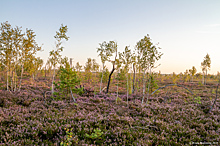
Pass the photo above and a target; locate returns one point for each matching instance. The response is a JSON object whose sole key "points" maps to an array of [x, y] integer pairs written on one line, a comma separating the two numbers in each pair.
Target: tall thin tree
{"points": [[206, 64], [55, 54], [148, 54], [105, 53], [125, 56]]}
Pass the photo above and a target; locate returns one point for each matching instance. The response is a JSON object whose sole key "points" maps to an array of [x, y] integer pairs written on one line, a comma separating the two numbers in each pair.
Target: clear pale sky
{"points": [[186, 29]]}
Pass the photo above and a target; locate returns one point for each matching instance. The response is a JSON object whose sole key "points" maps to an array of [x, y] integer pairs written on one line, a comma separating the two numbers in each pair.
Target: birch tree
{"points": [[118, 66], [112, 47], [17, 43], [78, 68], [29, 49], [206, 64], [55, 55], [6, 48], [88, 69], [192, 72], [95, 66], [148, 54], [125, 56], [134, 63], [105, 53], [16, 50]]}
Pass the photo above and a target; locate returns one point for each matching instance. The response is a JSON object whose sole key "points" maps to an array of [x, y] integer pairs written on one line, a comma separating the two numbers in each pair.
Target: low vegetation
{"points": [[60, 104]]}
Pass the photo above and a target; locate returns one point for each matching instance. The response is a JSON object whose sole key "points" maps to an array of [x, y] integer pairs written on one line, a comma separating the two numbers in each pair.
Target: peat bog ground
{"points": [[172, 116]]}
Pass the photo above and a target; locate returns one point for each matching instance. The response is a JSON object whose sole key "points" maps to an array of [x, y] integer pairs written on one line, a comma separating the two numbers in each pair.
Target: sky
{"points": [[186, 30]]}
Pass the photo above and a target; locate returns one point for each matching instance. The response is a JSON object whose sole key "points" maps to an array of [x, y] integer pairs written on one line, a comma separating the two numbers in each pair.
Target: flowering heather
{"points": [[26, 118]]}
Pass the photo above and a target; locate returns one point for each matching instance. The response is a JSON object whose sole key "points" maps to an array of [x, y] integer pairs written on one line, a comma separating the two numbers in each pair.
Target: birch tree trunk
{"points": [[117, 86], [53, 81], [12, 80], [15, 75], [148, 89], [7, 78], [127, 88], [203, 79], [22, 70], [133, 79], [72, 95], [143, 87], [45, 72], [101, 78]]}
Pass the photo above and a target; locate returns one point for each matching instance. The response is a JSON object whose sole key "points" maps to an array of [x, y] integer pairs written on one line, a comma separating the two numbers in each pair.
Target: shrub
{"points": [[68, 81]]}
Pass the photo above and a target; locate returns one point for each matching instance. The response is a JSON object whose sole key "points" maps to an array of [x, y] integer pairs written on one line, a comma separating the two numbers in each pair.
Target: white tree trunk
{"points": [[143, 87], [148, 89], [7, 79], [12, 80], [72, 95], [203, 82], [15, 82], [127, 88], [101, 78], [22, 70], [117, 87], [53, 80]]}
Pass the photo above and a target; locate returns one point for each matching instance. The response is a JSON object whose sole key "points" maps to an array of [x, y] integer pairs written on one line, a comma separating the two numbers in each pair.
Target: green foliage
{"points": [[153, 83], [206, 64], [198, 100], [91, 65], [200, 83], [78, 67], [192, 72], [148, 53], [118, 99], [68, 138], [121, 76], [95, 65], [106, 50], [68, 80], [88, 69], [186, 76], [17, 50], [169, 100], [34, 65], [95, 135], [105, 75], [55, 56], [61, 34], [174, 78]]}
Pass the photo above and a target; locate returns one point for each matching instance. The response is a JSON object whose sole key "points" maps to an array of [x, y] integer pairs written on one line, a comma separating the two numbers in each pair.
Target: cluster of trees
{"points": [[188, 75], [143, 59], [18, 54]]}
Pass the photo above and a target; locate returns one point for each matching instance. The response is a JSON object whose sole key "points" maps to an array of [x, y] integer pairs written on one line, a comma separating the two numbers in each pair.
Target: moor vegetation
{"points": [[63, 104]]}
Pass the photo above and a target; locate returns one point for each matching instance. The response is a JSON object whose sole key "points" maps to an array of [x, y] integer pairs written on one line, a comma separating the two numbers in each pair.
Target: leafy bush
{"points": [[68, 81]]}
